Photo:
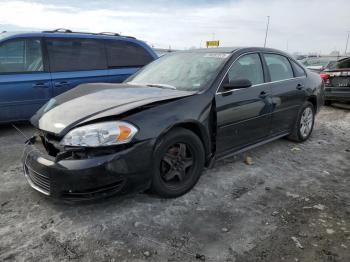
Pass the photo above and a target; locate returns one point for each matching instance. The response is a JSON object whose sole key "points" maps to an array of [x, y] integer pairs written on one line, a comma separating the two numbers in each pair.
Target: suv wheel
{"points": [[179, 161], [304, 124]]}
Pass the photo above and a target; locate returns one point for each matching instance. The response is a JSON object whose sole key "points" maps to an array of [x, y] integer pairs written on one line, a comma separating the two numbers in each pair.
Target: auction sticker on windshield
{"points": [[217, 55]]}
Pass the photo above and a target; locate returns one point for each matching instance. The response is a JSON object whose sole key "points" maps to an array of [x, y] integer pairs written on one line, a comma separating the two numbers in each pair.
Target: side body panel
{"points": [[21, 95], [64, 81], [287, 97], [118, 75], [243, 117]]}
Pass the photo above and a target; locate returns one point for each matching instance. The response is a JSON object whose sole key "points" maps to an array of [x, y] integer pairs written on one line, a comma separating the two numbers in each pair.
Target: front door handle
{"points": [[63, 83], [299, 86], [263, 94], [40, 85]]}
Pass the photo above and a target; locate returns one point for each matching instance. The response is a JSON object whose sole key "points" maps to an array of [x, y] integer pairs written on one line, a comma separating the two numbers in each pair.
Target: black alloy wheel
{"points": [[179, 161]]}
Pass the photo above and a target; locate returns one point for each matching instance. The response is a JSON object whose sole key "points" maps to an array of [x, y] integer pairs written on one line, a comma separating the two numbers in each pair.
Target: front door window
{"points": [[247, 67], [21, 56]]}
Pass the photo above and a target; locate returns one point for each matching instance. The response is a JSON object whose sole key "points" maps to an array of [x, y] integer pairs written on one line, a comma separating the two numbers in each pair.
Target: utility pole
{"points": [[347, 41], [267, 29]]}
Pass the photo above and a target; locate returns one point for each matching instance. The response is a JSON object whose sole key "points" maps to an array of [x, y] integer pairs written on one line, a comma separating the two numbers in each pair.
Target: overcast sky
{"points": [[306, 25]]}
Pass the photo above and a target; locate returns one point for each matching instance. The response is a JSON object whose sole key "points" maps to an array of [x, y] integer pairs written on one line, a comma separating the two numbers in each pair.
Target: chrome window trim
{"points": [[265, 83]]}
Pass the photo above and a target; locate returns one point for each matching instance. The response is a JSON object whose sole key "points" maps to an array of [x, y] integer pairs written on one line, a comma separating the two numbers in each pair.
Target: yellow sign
{"points": [[215, 43]]}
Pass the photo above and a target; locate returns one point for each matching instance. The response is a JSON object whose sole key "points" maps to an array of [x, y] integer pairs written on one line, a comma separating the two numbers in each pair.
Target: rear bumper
{"points": [[91, 178], [338, 94]]}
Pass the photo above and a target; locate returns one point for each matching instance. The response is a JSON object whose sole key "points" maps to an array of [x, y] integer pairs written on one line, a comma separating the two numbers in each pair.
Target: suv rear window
{"points": [[126, 54], [76, 54]]}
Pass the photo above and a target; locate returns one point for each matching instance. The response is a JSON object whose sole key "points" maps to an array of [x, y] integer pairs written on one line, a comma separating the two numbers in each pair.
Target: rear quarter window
{"points": [[298, 70], [126, 54]]}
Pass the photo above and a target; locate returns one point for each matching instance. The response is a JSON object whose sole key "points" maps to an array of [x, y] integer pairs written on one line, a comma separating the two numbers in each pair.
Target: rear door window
{"points": [[279, 67], [126, 54], [69, 54], [21, 56]]}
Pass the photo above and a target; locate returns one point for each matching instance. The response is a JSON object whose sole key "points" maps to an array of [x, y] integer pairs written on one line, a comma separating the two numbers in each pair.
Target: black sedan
{"points": [[163, 125], [337, 81]]}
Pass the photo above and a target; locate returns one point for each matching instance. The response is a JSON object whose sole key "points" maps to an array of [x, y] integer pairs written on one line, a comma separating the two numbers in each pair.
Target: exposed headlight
{"points": [[100, 134]]}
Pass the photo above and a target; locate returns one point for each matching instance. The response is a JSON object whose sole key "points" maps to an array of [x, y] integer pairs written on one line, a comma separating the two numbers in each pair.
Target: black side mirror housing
{"points": [[237, 84]]}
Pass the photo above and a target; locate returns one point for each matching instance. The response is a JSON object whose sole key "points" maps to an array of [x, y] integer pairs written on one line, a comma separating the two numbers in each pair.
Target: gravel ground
{"points": [[291, 204]]}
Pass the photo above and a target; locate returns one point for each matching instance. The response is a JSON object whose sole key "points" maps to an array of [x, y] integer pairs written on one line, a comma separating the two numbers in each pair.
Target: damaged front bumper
{"points": [[92, 177]]}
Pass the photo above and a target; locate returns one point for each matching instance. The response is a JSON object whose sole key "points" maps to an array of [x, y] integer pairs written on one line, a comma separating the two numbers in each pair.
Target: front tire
{"points": [[305, 123], [179, 161]]}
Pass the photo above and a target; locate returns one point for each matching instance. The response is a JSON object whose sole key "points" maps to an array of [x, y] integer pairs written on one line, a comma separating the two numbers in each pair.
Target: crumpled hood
{"points": [[92, 101]]}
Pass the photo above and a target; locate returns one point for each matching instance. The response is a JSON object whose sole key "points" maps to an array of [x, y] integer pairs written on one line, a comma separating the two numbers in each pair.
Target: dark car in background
{"points": [[34, 67], [164, 124], [317, 64], [337, 81]]}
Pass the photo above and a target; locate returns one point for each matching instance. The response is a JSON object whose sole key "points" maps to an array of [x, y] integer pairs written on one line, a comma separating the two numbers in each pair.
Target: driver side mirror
{"points": [[237, 84]]}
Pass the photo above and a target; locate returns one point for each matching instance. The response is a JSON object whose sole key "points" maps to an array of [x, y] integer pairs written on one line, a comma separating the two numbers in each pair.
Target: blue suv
{"points": [[35, 67]]}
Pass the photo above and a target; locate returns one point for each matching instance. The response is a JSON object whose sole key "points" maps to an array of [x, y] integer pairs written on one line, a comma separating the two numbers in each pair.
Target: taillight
{"points": [[326, 79], [324, 76]]}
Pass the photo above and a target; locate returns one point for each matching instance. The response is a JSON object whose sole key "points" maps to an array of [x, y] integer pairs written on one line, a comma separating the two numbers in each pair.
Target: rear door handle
{"points": [[40, 85], [63, 83], [299, 86], [263, 94]]}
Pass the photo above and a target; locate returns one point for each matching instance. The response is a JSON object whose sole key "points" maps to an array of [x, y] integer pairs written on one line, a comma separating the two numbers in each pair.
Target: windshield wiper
{"points": [[153, 85], [162, 86]]}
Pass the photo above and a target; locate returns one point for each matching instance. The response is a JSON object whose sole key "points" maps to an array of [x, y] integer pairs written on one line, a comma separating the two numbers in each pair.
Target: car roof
{"points": [[214, 50], [67, 34], [238, 48]]}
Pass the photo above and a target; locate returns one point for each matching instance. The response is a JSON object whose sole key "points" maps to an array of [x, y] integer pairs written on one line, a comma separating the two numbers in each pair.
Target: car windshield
{"points": [[188, 71]]}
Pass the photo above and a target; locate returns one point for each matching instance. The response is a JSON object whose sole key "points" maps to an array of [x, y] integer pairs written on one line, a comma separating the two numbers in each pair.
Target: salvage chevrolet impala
{"points": [[164, 124]]}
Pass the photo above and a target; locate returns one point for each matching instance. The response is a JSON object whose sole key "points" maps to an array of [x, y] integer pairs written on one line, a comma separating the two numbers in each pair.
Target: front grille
{"points": [[37, 180], [95, 192]]}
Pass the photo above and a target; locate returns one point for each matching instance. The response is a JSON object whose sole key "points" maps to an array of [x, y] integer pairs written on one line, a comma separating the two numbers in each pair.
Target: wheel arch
{"points": [[198, 129], [313, 100]]}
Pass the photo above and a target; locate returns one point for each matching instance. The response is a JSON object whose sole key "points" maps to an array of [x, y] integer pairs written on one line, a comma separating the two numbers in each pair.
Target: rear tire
{"points": [[178, 163], [305, 123]]}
